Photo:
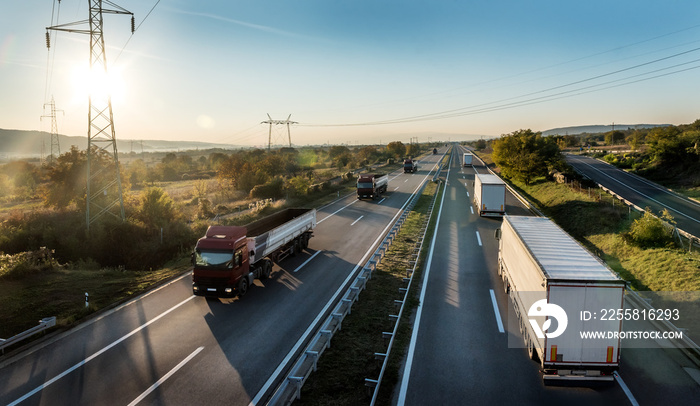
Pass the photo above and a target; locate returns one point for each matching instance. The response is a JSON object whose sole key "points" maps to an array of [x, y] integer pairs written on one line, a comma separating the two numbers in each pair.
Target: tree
{"points": [[156, 208], [524, 155], [614, 137], [396, 148], [412, 150]]}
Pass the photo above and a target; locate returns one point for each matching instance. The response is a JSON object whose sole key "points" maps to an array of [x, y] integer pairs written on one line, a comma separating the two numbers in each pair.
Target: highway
{"points": [[169, 347], [641, 192], [460, 355]]}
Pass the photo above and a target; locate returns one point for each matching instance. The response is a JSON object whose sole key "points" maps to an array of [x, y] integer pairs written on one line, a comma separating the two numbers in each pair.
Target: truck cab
{"points": [[221, 259]]}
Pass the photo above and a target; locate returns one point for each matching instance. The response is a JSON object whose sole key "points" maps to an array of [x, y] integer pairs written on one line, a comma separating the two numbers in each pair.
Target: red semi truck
{"points": [[372, 185], [410, 165], [228, 258]]}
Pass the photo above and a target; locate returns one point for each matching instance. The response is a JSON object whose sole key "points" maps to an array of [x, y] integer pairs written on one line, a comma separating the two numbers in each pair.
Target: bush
{"points": [[273, 189], [27, 263], [650, 231]]}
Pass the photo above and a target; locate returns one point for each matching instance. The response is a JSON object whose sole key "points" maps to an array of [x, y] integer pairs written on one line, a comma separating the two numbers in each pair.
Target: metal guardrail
{"points": [[687, 346], [374, 384], [44, 324], [290, 388]]}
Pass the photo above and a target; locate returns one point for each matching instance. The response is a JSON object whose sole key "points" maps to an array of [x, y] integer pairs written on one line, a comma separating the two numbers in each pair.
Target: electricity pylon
{"points": [[104, 186], [55, 145], [278, 122]]}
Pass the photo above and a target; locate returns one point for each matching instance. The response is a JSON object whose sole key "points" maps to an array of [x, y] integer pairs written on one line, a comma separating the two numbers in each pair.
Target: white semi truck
{"points": [[489, 195], [549, 276], [467, 159]]}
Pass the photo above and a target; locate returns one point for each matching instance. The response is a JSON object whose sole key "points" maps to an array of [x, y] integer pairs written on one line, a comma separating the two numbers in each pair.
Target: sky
{"points": [[355, 72]]}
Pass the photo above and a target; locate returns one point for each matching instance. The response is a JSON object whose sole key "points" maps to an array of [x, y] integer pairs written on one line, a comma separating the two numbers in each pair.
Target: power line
{"points": [[473, 109]]}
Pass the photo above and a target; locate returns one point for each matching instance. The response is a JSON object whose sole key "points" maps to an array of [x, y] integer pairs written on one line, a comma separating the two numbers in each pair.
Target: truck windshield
{"points": [[364, 185], [214, 259]]}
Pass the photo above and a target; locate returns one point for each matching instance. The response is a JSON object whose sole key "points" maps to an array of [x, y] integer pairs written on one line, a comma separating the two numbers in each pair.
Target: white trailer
{"points": [[489, 195], [540, 261], [467, 159]]}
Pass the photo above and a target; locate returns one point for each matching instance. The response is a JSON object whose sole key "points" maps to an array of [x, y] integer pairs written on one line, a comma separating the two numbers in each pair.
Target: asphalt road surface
{"points": [[460, 355], [171, 348], [641, 192]]}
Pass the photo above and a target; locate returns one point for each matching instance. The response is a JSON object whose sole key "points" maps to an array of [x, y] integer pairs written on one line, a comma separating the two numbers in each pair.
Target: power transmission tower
{"points": [[278, 122], [55, 145], [104, 186]]}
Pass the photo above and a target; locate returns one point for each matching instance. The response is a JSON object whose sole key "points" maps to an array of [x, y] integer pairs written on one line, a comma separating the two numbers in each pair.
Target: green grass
{"points": [[343, 368]]}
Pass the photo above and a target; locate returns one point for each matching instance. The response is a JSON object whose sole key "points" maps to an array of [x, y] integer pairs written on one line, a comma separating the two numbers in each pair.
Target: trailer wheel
{"points": [[243, 286], [266, 268], [305, 241]]}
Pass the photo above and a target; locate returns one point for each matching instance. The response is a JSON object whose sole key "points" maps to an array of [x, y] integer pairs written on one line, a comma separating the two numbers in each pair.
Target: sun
{"points": [[98, 84]]}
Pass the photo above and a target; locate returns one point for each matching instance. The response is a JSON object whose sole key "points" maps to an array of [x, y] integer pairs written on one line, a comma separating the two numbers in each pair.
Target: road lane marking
{"points": [[166, 376], [478, 238], [335, 212], [405, 181], [625, 389], [308, 260], [496, 312], [358, 219], [467, 193], [98, 353], [419, 311], [643, 194], [278, 371], [380, 202], [472, 209], [396, 188]]}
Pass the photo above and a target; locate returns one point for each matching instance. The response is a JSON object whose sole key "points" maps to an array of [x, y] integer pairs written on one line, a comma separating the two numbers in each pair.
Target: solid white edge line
{"points": [[419, 311], [643, 194], [308, 260], [166, 376], [496, 312], [625, 389], [98, 353], [308, 331], [478, 238], [358, 219]]}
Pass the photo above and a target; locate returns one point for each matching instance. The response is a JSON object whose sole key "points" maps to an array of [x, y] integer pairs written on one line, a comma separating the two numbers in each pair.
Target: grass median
{"points": [[341, 373]]}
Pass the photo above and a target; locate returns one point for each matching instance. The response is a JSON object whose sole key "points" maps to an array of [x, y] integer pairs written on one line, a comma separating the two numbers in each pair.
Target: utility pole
{"points": [[55, 145], [278, 122], [104, 187]]}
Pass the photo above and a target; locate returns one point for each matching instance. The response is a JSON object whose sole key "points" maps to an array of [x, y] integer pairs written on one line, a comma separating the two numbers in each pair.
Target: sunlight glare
{"points": [[98, 84]]}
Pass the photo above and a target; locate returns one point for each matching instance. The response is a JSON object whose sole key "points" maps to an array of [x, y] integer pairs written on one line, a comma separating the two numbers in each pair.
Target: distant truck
{"points": [[543, 268], [228, 258], [489, 195], [372, 185], [467, 159], [410, 165]]}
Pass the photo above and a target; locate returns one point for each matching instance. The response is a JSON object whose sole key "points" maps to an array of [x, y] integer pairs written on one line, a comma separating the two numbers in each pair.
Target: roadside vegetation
{"points": [[48, 261], [339, 379], [639, 246]]}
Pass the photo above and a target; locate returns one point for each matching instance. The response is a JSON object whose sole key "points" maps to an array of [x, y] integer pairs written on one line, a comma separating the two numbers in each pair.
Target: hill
{"points": [[25, 144], [595, 129]]}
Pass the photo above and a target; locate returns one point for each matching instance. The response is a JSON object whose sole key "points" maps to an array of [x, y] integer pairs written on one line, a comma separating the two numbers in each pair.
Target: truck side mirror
{"points": [[497, 234]]}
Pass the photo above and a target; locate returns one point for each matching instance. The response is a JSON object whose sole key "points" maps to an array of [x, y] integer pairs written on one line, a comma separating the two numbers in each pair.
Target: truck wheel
{"points": [[243, 286], [266, 268], [305, 241]]}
